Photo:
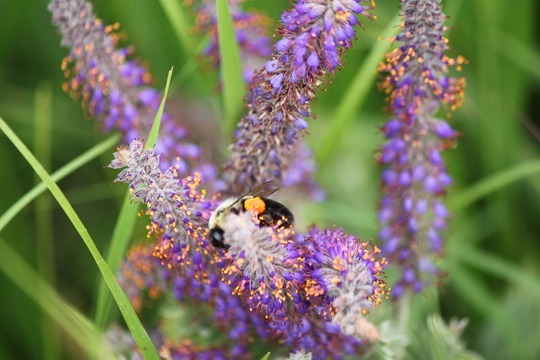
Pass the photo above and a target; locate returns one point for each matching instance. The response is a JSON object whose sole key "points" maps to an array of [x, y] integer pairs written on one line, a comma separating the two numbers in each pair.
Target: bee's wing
{"points": [[265, 189]]}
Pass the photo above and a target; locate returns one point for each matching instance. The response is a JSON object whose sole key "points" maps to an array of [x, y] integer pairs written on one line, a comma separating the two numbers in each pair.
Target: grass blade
{"points": [[519, 53], [137, 330], [182, 27], [124, 225], [68, 318], [154, 131], [180, 24], [61, 173], [231, 67], [493, 183], [354, 96], [474, 292], [119, 243], [493, 265], [44, 220]]}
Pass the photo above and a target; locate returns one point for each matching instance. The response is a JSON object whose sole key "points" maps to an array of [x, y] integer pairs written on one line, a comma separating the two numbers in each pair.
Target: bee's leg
{"points": [[266, 219]]}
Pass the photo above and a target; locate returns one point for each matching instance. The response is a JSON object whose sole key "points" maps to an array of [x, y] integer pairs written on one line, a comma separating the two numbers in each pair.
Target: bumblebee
{"points": [[269, 212]]}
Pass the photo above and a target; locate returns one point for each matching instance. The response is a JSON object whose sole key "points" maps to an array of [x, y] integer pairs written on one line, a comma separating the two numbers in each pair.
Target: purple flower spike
{"points": [[111, 87], [177, 208], [344, 280], [314, 36], [414, 177], [308, 294], [259, 266]]}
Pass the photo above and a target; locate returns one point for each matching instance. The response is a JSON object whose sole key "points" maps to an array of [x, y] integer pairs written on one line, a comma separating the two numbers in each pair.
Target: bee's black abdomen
{"points": [[217, 238], [278, 212]]}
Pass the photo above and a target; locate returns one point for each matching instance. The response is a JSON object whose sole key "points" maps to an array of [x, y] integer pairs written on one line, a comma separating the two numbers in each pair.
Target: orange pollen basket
{"points": [[256, 204]]}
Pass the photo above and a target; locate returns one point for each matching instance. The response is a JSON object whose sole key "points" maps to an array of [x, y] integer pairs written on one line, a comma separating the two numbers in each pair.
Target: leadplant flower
{"points": [[414, 177], [271, 283], [343, 279], [303, 295], [314, 34], [303, 291], [177, 209], [113, 88], [261, 267]]}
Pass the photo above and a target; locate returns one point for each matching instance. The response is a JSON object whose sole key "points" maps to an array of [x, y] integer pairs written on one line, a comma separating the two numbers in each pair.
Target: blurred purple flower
{"points": [[187, 350], [143, 276], [314, 34], [123, 346], [414, 177], [139, 276], [300, 172], [323, 339], [112, 88]]}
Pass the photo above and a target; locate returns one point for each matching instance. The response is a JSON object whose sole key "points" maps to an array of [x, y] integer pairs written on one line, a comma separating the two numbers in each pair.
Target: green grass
{"points": [[55, 301], [137, 330], [231, 68], [123, 229]]}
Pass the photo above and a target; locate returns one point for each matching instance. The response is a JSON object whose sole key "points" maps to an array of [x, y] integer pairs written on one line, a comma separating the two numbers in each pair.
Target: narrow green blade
{"points": [[231, 67], [58, 175], [355, 95], [137, 330], [124, 225], [74, 324], [492, 183]]}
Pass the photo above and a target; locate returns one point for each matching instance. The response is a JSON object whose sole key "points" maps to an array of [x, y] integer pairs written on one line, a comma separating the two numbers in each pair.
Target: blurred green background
{"points": [[493, 242]]}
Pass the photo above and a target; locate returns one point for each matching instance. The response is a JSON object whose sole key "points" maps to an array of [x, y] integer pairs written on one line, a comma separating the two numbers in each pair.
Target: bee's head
{"points": [[217, 216], [217, 237], [216, 219]]}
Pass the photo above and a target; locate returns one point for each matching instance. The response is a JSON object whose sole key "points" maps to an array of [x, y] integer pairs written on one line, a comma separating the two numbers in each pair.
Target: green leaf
{"points": [[492, 183], [124, 225], [452, 9], [137, 330], [355, 95], [499, 87], [231, 67], [442, 341], [74, 324]]}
